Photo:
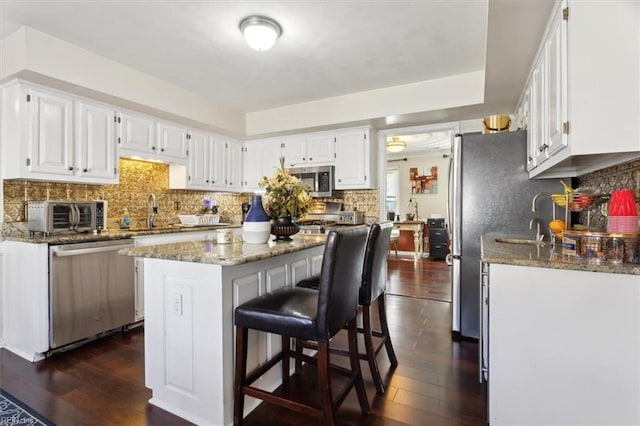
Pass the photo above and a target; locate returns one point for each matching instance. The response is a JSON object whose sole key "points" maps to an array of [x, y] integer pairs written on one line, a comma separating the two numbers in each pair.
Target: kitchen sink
{"points": [[519, 241]]}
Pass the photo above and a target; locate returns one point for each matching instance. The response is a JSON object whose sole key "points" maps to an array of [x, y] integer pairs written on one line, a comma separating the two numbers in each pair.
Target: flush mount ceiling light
{"points": [[395, 145], [259, 32]]}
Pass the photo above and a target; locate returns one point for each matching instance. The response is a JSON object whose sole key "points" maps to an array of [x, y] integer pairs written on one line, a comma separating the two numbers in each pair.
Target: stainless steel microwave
{"points": [[54, 217], [319, 179]]}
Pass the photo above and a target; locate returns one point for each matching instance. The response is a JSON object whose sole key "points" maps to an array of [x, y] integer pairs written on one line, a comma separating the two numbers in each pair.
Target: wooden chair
{"points": [[296, 312]]}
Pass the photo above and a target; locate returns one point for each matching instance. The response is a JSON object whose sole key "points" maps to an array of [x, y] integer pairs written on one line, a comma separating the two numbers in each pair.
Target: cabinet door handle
{"points": [[153, 148], [207, 181], [310, 158], [161, 149], [303, 159], [70, 168], [85, 170]]}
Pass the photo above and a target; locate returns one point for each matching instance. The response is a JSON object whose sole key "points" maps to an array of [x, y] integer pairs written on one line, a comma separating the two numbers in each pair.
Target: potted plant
{"points": [[286, 198]]}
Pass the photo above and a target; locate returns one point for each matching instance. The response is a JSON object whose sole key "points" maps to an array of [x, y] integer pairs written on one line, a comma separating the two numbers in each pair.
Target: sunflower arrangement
{"points": [[285, 195]]}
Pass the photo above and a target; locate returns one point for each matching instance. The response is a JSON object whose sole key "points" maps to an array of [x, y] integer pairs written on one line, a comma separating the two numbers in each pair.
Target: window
{"points": [[393, 183]]}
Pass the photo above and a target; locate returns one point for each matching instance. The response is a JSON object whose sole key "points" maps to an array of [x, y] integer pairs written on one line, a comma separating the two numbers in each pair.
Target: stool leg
{"points": [[241, 374], [298, 364], [324, 383], [384, 326], [286, 348], [354, 357], [371, 352]]}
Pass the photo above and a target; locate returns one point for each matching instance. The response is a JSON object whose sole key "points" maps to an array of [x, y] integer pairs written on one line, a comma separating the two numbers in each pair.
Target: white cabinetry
{"points": [[215, 164], [171, 140], [50, 135], [95, 141], [143, 137], [355, 159], [563, 347], [261, 158], [137, 134], [310, 149], [579, 94], [152, 240], [189, 331]]}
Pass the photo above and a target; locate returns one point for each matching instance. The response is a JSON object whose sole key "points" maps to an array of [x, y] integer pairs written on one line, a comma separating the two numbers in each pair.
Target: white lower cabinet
{"points": [[564, 347], [190, 333], [152, 240]]}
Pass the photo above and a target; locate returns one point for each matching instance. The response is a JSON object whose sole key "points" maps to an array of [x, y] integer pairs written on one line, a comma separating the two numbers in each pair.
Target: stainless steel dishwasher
{"points": [[91, 290]]}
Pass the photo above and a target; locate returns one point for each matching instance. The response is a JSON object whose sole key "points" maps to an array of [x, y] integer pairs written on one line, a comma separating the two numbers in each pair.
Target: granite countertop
{"points": [[111, 234], [235, 253], [543, 256]]}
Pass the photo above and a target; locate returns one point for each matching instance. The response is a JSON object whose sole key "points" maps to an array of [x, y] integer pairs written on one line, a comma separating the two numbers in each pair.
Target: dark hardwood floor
{"points": [[435, 383], [426, 279]]}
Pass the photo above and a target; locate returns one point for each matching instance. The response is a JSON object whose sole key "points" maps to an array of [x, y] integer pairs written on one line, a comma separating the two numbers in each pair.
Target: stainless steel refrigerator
{"points": [[490, 191]]}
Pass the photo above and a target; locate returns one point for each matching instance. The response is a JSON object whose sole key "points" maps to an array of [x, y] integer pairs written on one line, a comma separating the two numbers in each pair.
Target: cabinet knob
{"points": [[310, 158], [207, 181], [71, 168], [85, 170], [339, 180], [153, 148], [162, 149], [303, 159]]}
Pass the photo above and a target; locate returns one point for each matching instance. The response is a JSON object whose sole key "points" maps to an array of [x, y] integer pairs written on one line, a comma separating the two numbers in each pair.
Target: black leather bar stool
{"points": [[374, 281], [295, 312]]}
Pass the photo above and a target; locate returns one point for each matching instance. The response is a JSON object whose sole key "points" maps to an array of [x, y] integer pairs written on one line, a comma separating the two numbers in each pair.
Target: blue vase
{"points": [[256, 213], [256, 228]]}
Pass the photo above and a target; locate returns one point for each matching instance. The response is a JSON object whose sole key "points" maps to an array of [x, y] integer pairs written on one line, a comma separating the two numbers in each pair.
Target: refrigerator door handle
{"points": [[456, 196]]}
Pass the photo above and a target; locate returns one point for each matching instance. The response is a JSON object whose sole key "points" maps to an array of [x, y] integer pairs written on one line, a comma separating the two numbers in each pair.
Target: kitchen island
{"points": [[191, 290], [561, 339]]}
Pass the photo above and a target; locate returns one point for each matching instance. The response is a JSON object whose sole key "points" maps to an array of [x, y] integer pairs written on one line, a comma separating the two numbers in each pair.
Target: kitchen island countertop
{"points": [[235, 253], [543, 256]]}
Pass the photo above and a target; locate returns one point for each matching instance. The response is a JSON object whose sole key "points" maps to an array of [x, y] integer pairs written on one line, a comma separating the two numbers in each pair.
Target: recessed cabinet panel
{"points": [[95, 141], [217, 158], [138, 134], [199, 160], [261, 158], [351, 159], [51, 133], [320, 148], [234, 166], [294, 151], [556, 90], [172, 140]]}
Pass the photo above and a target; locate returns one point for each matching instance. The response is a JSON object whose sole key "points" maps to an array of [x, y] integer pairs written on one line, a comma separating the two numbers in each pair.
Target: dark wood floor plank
{"points": [[435, 383]]}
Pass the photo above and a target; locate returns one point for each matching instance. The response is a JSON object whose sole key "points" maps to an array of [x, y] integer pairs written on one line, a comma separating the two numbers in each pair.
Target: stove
{"points": [[321, 216]]}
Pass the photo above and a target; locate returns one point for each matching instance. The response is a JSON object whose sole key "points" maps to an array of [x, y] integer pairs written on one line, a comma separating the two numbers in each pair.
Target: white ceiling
{"points": [[328, 48]]}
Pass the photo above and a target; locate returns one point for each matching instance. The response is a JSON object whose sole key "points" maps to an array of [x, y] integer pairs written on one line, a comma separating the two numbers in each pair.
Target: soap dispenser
{"points": [[125, 222]]}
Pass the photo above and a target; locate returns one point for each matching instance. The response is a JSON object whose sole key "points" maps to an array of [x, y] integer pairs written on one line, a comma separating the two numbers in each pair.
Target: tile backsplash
{"points": [[622, 176], [138, 179]]}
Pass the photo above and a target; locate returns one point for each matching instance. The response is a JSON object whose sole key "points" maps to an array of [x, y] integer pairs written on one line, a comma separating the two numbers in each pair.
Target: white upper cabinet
{"points": [[144, 137], [308, 149], [261, 158], [234, 165], [171, 140], [354, 159], [137, 134], [294, 151], [588, 110], [50, 119], [198, 173], [215, 164], [56, 137], [321, 148], [97, 154]]}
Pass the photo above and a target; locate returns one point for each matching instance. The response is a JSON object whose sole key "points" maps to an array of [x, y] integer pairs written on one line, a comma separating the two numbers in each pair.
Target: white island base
{"points": [[189, 330]]}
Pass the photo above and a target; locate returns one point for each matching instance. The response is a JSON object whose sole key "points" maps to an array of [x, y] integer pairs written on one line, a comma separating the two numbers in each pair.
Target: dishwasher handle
{"points": [[76, 252]]}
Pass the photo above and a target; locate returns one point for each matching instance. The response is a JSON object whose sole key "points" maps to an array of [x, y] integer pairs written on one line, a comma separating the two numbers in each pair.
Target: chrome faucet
{"points": [[539, 236], [535, 198], [152, 210]]}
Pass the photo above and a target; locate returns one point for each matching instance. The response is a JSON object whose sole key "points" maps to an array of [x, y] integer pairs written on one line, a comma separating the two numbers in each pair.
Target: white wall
{"points": [[432, 95], [34, 54], [428, 204]]}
